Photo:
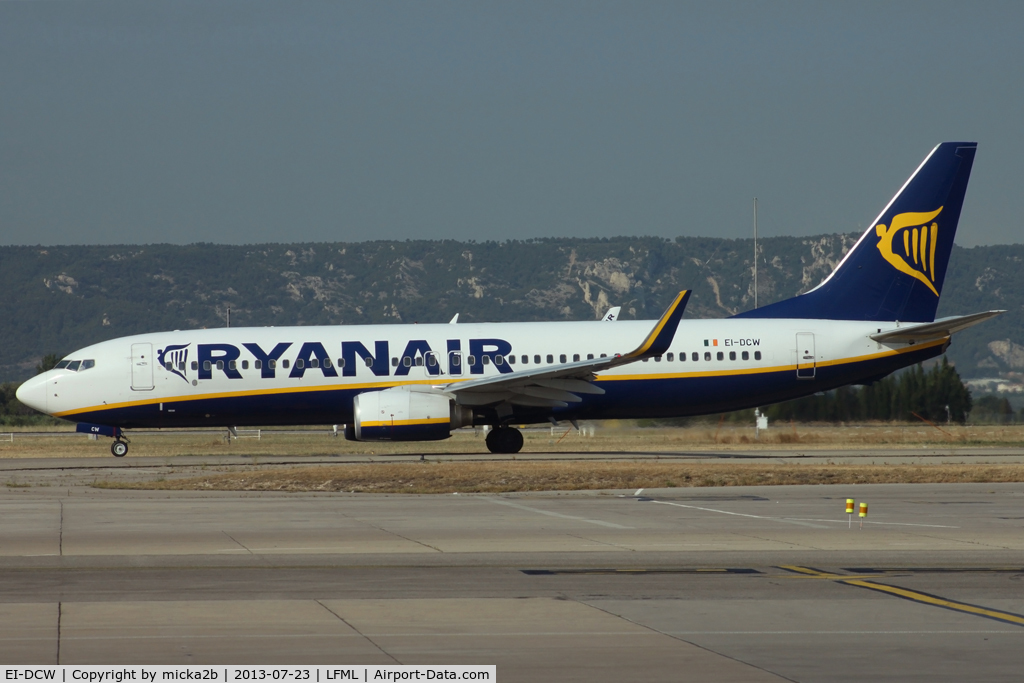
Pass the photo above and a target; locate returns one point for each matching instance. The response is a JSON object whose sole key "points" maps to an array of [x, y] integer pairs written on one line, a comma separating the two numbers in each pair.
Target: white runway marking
{"points": [[740, 514], [556, 514], [802, 521]]}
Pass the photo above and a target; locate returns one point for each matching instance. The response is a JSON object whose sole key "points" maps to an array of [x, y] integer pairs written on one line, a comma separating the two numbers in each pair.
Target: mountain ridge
{"points": [[60, 298]]}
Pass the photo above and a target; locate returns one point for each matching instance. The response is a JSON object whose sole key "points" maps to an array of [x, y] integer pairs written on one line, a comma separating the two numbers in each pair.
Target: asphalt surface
{"points": [[731, 584]]}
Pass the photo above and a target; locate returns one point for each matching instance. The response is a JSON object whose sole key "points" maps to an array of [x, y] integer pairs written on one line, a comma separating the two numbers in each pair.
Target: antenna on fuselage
{"points": [[755, 252]]}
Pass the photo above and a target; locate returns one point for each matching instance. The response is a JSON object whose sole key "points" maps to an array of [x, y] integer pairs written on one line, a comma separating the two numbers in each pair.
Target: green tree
{"points": [[949, 392], [897, 397], [992, 409]]}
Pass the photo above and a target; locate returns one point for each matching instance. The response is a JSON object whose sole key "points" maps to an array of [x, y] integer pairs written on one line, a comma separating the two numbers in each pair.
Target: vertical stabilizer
{"points": [[896, 269]]}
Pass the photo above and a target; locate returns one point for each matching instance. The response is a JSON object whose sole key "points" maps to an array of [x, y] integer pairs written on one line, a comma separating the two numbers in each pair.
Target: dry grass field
{"points": [[509, 476], [608, 437], [627, 458]]}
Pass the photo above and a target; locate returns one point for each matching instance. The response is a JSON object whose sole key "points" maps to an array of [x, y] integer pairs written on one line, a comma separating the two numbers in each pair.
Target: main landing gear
{"points": [[504, 440], [119, 448]]}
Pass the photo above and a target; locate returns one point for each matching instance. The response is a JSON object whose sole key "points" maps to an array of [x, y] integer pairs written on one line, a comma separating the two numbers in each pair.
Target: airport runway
{"points": [[731, 584]]}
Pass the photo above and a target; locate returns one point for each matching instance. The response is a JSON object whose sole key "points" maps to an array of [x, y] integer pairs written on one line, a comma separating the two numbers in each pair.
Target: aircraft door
{"points": [[454, 363], [805, 355], [142, 367]]}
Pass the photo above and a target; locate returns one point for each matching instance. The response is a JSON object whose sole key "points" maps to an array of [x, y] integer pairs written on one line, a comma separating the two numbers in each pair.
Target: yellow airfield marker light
{"points": [[863, 513], [849, 511]]}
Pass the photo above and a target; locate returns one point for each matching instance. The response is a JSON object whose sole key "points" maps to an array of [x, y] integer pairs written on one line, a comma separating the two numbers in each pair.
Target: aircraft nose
{"points": [[33, 392]]}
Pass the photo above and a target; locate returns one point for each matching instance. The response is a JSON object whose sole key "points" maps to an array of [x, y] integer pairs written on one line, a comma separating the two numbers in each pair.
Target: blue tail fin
{"points": [[896, 269]]}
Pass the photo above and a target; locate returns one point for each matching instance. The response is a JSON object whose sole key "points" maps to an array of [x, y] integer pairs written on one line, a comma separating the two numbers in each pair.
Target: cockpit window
{"points": [[74, 365], [61, 365], [86, 364]]}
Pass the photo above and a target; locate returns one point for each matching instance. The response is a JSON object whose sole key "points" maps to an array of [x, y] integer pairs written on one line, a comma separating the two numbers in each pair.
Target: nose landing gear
{"points": [[504, 440], [120, 446]]}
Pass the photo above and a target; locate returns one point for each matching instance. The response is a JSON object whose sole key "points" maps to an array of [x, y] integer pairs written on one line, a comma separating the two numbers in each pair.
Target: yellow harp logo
{"points": [[914, 252]]}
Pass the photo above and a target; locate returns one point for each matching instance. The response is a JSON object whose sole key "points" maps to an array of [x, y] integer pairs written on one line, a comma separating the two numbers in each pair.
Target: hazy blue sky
{"points": [[245, 121]]}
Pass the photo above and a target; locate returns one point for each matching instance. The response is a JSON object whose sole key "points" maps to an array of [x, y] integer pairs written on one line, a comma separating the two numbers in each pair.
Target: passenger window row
{"points": [[418, 361], [719, 355], [256, 364], [429, 359], [523, 359], [408, 361]]}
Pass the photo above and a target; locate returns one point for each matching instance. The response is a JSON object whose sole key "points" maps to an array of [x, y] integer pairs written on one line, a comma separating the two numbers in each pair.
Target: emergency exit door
{"points": [[142, 367], [805, 355]]}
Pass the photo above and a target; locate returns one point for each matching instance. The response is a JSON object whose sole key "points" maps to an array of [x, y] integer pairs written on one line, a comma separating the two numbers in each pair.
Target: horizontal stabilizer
{"points": [[942, 327]]}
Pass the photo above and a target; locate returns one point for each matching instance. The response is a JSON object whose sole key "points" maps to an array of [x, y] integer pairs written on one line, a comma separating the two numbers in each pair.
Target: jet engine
{"points": [[401, 414]]}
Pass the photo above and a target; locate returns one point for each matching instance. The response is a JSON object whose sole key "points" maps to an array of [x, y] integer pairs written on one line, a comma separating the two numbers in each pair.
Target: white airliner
{"points": [[875, 313]]}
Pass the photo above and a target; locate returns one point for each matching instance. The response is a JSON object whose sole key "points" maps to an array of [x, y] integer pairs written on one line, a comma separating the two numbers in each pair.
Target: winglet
{"points": [[660, 338]]}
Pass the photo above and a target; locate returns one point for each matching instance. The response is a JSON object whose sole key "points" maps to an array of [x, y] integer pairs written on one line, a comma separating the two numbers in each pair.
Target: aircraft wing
{"points": [[556, 386], [943, 327]]}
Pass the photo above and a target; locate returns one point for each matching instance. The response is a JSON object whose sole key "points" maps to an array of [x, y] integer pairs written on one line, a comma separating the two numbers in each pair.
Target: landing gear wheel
{"points": [[504, 440], [119, 449]]}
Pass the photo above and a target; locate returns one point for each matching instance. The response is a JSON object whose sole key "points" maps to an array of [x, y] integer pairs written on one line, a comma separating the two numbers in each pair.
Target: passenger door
{"points": [[142, 367]]}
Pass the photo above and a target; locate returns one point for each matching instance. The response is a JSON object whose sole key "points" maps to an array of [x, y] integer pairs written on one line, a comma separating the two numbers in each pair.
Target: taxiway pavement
{"points": [[730, 584]]}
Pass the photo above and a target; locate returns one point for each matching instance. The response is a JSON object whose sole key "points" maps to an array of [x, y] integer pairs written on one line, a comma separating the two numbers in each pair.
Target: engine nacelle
{"points": [[402, 415]]}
